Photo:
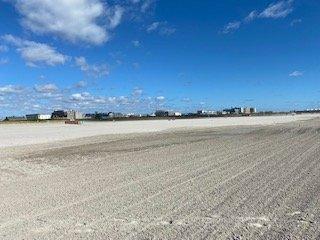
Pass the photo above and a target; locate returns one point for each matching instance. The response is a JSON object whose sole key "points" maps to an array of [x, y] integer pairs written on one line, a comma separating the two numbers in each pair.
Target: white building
{"points": [[34, 117], [74, 115], [249, 110], [206, 112], [174, 114]]}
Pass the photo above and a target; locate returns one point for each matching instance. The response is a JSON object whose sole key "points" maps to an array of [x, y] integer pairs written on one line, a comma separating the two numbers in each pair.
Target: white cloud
{"points": [[36, 106], [80, 96], [74, 20], [252, 15], [36, 53], [186, 100], [77, 97], [136, 43], [231, 27], [296, 74], [96, 70], [46, 88], [161, 27], [27, 99], [146, 5], [9, 89], [277, 10], [115, 16], [295, 21], [152, 27], [81, 84], [137, 92], [160, 98]]}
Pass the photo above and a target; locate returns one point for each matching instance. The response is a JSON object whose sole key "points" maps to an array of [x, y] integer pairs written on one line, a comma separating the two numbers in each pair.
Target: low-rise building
{"points": [[75, 115], [59, 114], [15, 118], [89, 116], [206, 113], [253, 110], [233, 110], [174, 114], [161, 113], [165, 113], [246, 110], [115, 115], [249, 110], [36, 117]]}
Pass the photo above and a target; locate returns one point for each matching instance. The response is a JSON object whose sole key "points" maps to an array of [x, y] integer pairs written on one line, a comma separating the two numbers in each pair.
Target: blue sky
{"points": [[142, 55]]}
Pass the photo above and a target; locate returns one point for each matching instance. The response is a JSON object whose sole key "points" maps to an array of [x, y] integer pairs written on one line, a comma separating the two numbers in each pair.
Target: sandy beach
{"points": [[234, 182], [35, 133]]}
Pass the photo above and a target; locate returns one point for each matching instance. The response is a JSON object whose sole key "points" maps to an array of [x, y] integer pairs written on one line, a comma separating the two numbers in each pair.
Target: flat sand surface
{"points": [[29, 133], [251, 182]]}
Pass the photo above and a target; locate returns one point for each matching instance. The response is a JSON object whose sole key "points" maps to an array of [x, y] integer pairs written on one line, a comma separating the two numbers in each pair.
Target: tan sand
{"points": [[25, 134], [254, 182]]}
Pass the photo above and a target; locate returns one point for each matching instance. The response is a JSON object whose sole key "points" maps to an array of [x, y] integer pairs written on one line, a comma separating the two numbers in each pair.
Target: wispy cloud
{"points": [[146, 5], [9, 89], [36, 54], [296, 74], [136, 43], [95, 70], [162, 28], [114, 16], [46, 88], [231, 27], [276, 10], [137, 92], [295, 22], [160, 98], [81, 96], [143, 5], [81, 84]]}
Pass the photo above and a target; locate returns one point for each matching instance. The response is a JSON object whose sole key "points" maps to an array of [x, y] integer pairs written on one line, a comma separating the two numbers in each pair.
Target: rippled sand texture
{"points": [[253, 182]]}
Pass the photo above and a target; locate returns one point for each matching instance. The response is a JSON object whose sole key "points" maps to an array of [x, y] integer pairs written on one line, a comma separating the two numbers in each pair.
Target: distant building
{"points": [[133, 115], [59, 114], [234, 110], [249, 110], [75, 115], [35, 117], [253, 110], [89, 115], [161, 113], [174, 114], [165, 113], [15, 118], [201, 112], [206, 113], [115, 115]]}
